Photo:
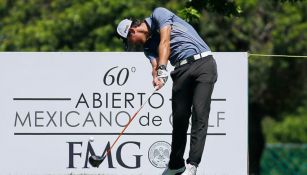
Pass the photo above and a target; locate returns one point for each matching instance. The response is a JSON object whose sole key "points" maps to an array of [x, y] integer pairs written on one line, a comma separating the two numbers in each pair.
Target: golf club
{"points": [[94, 160]]}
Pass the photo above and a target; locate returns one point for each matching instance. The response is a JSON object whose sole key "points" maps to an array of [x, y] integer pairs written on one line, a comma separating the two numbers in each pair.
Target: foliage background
{"points": [[277, 86]]}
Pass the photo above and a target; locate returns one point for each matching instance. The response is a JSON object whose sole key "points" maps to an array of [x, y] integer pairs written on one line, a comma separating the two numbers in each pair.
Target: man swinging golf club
{"points": [[166, 37]]}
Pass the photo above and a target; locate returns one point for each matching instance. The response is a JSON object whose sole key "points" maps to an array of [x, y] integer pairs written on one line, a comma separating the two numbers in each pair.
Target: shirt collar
{"points": [[149, 22]]}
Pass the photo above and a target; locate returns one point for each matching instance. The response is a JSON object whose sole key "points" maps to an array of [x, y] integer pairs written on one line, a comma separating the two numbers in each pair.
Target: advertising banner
{"points": [[51, 103]]}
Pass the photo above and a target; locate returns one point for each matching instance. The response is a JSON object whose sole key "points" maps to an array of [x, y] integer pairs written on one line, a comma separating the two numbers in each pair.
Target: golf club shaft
{"points": [[109, 150]]}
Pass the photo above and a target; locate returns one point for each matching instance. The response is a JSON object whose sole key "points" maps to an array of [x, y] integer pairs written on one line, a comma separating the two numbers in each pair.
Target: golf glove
{"points": [[162, 73]]}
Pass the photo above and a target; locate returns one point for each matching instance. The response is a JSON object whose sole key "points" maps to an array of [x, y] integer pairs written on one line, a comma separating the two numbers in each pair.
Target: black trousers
{"points": [[193, 84]]}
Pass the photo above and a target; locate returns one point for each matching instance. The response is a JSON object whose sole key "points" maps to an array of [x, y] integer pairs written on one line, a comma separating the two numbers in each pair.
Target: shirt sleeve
{"points": [[162, 17], [149, 55]]}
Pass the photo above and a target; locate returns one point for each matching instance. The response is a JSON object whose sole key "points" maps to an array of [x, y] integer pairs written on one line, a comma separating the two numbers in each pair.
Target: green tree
{"points": [[77, 25], [276, 86], [291, 129]]}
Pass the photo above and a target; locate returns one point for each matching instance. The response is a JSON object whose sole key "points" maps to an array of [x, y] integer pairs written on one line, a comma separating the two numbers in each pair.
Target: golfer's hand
{"points": [[157, 83], [162, 76]]}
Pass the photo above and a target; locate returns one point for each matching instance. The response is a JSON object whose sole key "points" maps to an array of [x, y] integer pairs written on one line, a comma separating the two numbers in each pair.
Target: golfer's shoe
{"points": [[168, 171], [189, 170]]}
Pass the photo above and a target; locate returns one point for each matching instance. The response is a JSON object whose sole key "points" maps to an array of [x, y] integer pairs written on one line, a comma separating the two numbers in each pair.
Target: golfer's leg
{"points": [[206, 73], [181, 106], [200, 116]]}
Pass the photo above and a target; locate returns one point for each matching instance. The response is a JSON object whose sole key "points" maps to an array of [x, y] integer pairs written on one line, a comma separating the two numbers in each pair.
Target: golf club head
{"points": [[95, 161]]}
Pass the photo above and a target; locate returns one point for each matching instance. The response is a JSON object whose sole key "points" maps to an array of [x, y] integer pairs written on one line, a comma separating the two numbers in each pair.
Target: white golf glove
{"points": [[162, 73]]}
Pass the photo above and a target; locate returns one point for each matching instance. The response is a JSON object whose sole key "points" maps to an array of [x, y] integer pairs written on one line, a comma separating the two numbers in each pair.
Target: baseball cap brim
{"points": [[123, 27]]}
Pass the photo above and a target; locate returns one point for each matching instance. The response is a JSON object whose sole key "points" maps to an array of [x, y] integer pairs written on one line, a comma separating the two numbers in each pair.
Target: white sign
{"points": [[52, 103]]}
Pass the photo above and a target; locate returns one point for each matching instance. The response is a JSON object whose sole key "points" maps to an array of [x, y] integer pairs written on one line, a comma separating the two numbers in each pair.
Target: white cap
{"points": [[123, 27]]}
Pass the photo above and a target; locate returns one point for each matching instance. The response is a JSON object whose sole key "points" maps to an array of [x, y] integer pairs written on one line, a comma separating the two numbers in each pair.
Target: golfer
{"points": [[166, 37]]}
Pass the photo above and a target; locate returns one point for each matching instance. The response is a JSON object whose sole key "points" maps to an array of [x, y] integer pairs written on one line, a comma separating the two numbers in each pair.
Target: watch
{"points": [[162, 67]]}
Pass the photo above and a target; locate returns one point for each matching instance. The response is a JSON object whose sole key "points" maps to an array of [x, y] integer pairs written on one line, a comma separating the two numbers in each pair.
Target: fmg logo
{"points": [[73, 155]]}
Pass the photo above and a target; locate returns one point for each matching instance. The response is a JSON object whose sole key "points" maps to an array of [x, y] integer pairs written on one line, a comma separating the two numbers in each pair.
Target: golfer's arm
{"points": [[164, 46], [154, 65]]}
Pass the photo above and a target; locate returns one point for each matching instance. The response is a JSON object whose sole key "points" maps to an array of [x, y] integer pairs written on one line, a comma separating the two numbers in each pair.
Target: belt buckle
{"points": [[190, 59]]}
